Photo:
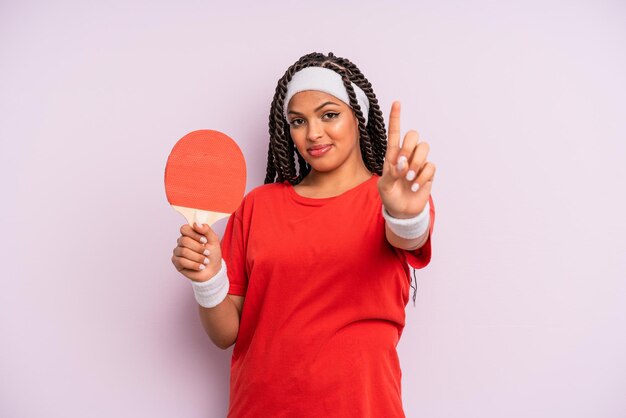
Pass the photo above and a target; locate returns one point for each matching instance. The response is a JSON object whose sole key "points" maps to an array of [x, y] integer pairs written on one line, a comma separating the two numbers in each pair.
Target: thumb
{"points": [[387, 181], [389, 177]]}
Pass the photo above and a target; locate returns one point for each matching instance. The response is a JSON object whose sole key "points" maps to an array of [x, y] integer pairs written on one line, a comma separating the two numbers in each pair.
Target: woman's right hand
{"points": [[198, 255]]}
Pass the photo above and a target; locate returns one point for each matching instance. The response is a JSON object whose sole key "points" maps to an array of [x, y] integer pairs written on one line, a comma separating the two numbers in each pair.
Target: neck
{"points": [[336, 181]]}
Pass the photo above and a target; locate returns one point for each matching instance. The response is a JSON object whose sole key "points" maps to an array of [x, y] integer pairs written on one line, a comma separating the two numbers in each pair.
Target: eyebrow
{"points": [[317, 108]]}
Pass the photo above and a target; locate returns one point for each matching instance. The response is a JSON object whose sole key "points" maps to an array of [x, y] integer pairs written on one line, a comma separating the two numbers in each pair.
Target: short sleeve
{"points": [[233, 254], [421, 257]]}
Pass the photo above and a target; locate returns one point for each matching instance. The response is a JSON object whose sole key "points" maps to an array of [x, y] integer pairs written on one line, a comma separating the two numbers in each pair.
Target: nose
{"points": [[315, 130]]}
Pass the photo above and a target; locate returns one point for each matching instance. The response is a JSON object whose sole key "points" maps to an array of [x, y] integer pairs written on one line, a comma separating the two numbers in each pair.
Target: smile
{"points": [[319, 150]]}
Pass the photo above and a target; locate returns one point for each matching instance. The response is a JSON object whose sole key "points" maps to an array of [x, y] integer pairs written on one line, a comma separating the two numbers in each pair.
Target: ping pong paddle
{"points": [[205, 176]]}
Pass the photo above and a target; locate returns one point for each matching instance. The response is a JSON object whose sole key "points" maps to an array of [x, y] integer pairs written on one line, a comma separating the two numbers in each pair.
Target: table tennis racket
{"points": [[205, 176]]}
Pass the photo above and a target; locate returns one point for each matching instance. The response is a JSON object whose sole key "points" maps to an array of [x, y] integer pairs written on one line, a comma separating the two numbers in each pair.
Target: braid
{"points": [[376, 125], [282, 155], [365, 143], [271, 168]]}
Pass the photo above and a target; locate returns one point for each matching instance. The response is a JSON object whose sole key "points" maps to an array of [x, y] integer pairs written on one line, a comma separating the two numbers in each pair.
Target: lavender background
{"points": [[522, 310]]}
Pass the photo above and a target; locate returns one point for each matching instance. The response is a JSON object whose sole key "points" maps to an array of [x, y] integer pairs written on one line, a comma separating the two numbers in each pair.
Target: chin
{"points": [[323, 168]]}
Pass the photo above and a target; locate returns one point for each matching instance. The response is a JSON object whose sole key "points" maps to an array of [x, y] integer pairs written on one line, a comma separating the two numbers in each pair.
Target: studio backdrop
{"points": [[521, 311]]}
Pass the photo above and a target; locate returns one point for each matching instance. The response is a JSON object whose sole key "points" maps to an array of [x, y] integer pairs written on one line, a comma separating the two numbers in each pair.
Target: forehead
{"points": [[310, 99]]}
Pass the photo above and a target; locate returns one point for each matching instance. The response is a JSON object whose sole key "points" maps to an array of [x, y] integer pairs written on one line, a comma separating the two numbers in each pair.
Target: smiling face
{"points": [[325, 131]]}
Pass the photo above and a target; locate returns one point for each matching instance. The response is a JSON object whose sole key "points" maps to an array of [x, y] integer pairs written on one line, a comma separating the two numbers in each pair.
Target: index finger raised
{"points": [[393, 138]]}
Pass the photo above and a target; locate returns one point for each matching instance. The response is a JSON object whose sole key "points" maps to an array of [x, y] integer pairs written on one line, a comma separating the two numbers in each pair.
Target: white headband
{"points": [[328, 81]]}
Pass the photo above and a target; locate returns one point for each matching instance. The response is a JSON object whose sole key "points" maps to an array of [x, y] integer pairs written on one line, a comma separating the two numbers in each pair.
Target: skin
{"points": [[319, 119], [316, 119], [407, 178]]}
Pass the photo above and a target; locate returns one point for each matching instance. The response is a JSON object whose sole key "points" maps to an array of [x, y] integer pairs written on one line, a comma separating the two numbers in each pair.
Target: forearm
{"points": [[403, 243], [221, 323], [405, 231]]}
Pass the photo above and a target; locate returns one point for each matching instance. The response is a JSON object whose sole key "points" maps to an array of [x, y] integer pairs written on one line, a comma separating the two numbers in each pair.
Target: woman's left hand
{"points": [[407, 177]]}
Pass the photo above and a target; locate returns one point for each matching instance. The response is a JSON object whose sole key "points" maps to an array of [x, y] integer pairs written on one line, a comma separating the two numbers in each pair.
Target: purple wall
{"points": [[521, 313]]}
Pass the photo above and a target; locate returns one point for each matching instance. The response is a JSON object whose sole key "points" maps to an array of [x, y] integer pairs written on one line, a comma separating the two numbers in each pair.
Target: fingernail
{"points": [[415, 187], [411, 175], [206, 260], [401, 162], [207, 253], [202, 267], [203, 239]]}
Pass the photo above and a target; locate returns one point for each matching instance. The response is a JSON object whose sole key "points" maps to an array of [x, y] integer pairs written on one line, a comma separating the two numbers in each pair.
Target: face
{"points": [[324, 130]]}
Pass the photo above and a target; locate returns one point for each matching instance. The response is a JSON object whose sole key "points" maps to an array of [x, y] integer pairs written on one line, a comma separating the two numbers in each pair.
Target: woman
{"points": [[311, 277]]}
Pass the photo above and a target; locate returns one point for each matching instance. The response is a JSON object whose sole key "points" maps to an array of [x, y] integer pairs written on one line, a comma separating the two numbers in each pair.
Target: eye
{"points": [[332, 115], [295, 122]]}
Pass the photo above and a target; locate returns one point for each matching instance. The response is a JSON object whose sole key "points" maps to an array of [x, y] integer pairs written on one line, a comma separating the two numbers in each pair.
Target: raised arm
{"points": [[407, 179]]}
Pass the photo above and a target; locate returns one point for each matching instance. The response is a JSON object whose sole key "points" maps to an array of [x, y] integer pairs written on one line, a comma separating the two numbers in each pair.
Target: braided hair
{"points": [[284, 162]]}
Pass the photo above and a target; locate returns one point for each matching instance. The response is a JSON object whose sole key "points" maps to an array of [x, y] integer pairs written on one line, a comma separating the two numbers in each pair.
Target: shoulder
{"points": [[265, 191], [260, 194], [371, 188]]}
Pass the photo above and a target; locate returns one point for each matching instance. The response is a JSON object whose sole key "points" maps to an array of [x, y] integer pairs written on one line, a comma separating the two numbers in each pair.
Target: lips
{"points": [[319, 150]]}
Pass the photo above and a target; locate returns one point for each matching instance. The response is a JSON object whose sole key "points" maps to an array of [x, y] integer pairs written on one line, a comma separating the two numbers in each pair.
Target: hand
{"points": [[198, 255], [407, 177]]}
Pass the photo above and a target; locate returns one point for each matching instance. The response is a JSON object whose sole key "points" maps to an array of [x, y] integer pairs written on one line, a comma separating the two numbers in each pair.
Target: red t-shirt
{"points": [[324, 308]]}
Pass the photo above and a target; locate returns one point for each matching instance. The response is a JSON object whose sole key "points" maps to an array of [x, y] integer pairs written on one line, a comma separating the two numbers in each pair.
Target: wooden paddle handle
{"points": [[200, 216]]}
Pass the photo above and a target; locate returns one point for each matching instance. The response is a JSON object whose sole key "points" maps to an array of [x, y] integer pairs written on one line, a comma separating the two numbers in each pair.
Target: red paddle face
{"points": [[205, 171]]}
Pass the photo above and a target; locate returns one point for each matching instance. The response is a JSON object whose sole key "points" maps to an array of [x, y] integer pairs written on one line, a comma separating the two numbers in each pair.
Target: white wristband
{"points": [[410, 228], [213, 291]]}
